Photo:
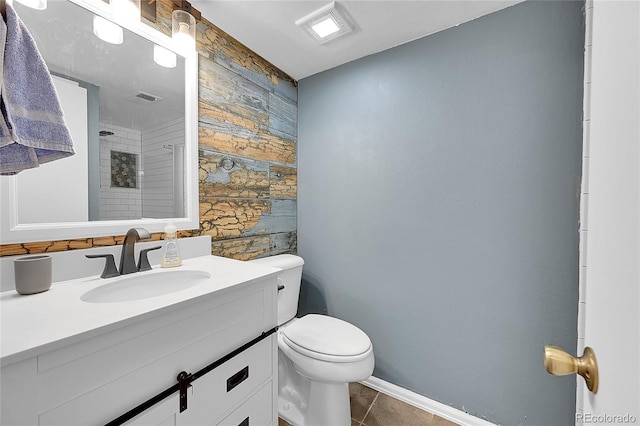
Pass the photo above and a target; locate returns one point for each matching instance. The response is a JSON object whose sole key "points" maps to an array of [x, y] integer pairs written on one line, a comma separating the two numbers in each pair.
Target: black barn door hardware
{"points": [[185, 380]]}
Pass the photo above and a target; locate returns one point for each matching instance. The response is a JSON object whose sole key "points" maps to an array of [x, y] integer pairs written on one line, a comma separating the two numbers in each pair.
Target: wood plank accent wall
{"points": [[247, 152]]}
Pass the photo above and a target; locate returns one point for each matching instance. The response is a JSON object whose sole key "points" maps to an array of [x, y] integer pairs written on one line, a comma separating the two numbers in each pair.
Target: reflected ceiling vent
{"points": [[143, 98]]}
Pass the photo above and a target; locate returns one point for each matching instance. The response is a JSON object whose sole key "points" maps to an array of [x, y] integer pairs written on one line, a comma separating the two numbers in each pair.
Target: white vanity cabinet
{"points": [[96, 379]]}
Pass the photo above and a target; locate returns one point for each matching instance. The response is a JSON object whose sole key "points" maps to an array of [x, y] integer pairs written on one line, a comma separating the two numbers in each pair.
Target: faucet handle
{"points": [[143, 260], [110, 269]]}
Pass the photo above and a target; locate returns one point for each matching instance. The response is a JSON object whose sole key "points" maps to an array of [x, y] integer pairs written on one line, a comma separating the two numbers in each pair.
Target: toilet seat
{"points": [[327, 339]]}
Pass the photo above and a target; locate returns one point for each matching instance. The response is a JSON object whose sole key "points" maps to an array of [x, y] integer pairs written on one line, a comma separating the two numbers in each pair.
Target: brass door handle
{"points": [[559, 363]]}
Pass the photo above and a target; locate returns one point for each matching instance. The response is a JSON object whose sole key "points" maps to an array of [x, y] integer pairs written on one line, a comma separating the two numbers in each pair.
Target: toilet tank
{"points": [[290, 277]]}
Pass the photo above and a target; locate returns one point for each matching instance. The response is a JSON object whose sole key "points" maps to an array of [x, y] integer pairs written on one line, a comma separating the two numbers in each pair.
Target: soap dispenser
{"points": [[171, 256]]}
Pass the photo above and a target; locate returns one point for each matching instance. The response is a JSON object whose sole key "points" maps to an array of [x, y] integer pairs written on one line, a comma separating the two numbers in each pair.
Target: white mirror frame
{"points": [[12, 232]]}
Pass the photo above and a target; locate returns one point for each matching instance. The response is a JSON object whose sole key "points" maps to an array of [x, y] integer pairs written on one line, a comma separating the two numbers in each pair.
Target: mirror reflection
{"points": [[126, 114]]}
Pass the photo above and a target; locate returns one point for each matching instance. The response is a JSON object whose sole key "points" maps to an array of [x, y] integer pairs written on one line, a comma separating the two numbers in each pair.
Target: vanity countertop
{"points": [[37, 323]]}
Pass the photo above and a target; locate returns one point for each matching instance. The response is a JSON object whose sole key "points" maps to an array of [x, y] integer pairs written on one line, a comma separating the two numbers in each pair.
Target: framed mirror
{"points": [[131, 107]]}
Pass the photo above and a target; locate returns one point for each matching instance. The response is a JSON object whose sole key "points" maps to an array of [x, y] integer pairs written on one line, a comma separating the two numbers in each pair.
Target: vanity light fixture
{"points": [[183, 30], [164, 57], [125, 11], [327, 23], [106, 30], [34, 4]]}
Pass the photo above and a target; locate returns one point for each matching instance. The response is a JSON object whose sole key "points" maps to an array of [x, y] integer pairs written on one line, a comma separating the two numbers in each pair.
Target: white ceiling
{"points": [[268, 27]]}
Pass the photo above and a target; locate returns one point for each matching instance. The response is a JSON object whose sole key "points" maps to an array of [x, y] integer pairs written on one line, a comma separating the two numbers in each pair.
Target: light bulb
{"points": [[182, 38], [106, 30], [164, 57], [126, 11]]}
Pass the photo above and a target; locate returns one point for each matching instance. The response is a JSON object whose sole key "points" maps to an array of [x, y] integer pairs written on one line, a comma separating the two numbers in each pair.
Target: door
{"points": [[612, 298]]}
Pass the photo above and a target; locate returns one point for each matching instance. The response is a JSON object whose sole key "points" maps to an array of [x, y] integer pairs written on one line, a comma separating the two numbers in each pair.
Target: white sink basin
{"points": [[145, 285]]}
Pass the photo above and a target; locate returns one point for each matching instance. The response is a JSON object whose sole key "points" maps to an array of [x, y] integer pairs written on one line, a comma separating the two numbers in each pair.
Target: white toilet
{"points": [[317, 358]]}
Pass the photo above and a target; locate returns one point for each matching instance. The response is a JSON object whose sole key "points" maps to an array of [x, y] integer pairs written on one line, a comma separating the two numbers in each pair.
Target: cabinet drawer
{"points": [[226, 387], [257, 411]]}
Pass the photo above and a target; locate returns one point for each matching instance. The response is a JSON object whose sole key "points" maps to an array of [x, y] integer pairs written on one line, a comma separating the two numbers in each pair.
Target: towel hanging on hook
{"points": [[32, 126]]}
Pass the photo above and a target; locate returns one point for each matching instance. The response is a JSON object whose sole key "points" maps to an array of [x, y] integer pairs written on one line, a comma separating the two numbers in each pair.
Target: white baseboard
{"points": [[424, 403]]}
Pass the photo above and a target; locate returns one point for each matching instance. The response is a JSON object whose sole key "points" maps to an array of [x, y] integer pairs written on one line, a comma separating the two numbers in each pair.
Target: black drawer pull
{"points": [[245, 422], [237, 378]]}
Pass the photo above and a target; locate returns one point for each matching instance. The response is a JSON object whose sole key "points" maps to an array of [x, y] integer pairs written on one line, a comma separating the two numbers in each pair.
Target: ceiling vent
{"points": [[143, 98]]}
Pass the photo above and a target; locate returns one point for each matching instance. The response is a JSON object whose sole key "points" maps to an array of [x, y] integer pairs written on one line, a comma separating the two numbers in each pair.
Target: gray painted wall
{"points": [[438, 208]]}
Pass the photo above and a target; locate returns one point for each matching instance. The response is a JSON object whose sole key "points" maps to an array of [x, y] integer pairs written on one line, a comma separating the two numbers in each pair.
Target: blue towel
{"points": [[32, 126]]}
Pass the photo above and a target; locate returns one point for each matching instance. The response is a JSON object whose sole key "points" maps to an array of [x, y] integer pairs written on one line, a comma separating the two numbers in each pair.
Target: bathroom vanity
{"points": [[68, 358]]}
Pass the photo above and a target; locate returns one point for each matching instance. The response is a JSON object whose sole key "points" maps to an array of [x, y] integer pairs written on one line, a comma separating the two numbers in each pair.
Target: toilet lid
{"points": [[325, 335]]}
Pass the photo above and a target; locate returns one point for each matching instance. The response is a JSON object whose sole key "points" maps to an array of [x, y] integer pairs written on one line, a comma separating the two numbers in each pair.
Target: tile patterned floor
{"points": [[372, 408]]}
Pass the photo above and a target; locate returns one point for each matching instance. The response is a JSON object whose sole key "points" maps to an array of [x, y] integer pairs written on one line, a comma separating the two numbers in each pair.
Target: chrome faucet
{"points": [[127, 257]]}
